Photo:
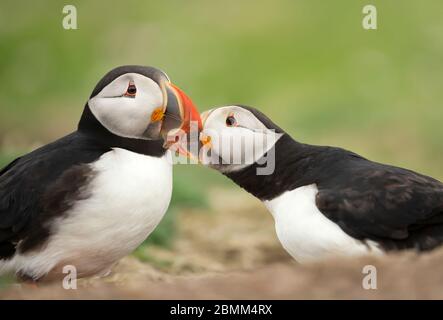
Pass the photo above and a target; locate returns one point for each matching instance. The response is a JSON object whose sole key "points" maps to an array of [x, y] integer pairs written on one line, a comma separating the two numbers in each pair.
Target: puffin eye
{"points": [[131, 91], [231, 121]]}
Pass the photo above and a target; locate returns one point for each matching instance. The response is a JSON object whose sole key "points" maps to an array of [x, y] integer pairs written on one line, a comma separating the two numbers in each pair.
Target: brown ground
{"points": [[233, 253]]}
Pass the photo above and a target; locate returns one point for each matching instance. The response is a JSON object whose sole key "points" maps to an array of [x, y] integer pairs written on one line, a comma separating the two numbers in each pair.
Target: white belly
{"points": [[130, 193], [306, 233]]}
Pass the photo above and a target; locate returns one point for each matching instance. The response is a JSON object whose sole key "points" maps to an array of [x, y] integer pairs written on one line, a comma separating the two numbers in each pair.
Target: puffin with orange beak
{"points": [[88, 199]]}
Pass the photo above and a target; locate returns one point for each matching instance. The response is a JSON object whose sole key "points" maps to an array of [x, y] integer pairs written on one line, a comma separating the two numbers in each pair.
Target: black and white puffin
{"points": [[325, 201], [90, 198]]}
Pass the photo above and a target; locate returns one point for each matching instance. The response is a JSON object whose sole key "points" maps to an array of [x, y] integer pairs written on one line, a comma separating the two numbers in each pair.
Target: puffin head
{"points": [[140, 102], [235, 137]]}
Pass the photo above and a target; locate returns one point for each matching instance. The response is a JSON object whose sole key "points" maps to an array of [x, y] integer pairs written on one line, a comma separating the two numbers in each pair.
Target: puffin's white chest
{"points": [[305, 232], [127, 197]]}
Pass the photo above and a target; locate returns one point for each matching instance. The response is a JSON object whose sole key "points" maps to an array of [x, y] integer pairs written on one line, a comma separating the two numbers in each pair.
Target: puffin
{"points": [[93, 196], [325, 201]]}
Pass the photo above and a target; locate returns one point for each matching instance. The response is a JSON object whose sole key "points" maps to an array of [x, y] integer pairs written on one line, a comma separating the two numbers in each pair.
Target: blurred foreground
{"points": [[233, 253]]}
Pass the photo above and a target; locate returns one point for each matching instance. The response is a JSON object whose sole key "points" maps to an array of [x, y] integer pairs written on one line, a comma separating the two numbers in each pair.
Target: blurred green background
{"points": [[308, 64]]}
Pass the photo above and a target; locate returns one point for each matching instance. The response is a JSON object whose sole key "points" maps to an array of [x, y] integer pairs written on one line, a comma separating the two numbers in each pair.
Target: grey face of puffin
{"points": [[136, 106], [234, 138]]}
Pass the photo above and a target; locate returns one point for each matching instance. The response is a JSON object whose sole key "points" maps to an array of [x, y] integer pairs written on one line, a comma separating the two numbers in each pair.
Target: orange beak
{"points": [[181, 137], [190, 112]]}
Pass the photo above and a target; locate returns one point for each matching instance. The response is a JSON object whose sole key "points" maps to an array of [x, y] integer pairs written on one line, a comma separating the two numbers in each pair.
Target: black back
{"points": [[396, 207]]}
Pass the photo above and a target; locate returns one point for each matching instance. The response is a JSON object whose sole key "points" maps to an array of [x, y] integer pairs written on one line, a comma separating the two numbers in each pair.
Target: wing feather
{"points": [[374, 201], [39, 186]]}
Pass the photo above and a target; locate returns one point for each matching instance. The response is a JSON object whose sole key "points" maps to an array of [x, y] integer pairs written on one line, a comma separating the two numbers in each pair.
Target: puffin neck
{"points": [[94, 130], [291, 171]]}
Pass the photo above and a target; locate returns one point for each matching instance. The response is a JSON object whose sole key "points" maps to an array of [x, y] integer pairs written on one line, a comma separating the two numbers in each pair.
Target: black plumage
{"points": [[398, 208]]}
